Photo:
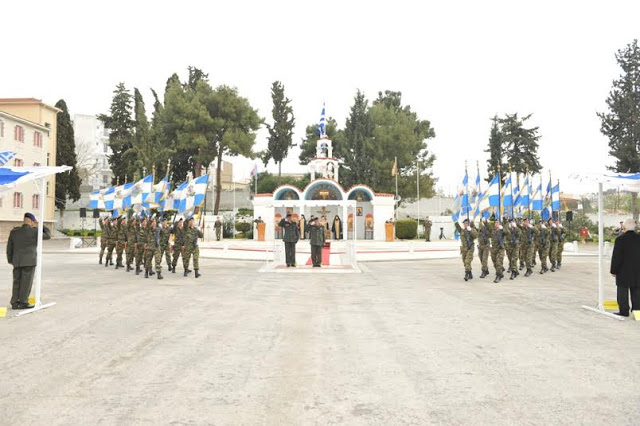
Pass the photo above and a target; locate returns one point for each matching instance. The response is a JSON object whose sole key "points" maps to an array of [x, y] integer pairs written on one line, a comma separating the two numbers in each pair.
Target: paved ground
{"points": [[401, 343]]}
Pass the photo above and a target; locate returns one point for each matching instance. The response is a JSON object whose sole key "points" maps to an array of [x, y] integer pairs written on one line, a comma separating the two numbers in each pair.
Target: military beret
{"points": [[30, 216], [465, 221]]}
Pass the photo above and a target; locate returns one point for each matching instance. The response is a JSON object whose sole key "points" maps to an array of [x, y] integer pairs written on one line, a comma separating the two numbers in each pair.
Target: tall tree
{"points": [[494, 149], [520, 144], [621, 123], [68, 183], [120, 124], [281, 133], [308, 145], [357, 143]]}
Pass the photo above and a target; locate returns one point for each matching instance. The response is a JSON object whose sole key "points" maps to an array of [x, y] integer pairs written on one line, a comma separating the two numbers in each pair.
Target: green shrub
{"points": [[406, 229], [243, 227]]}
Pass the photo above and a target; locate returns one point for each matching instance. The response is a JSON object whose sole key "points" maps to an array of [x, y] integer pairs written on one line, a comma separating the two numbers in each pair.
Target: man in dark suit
{"points": [[626, 268], [290, 238], [22, 254]]}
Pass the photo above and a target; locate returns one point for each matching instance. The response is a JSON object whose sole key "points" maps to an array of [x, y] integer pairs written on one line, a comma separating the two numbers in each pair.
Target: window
{"points": [[1, 129], [18, 133], [35, 201], [18, 162], [1, 199], [106, 147], [36, 164], [47, 187], [48, 158], [37, 139], [17, 200]]}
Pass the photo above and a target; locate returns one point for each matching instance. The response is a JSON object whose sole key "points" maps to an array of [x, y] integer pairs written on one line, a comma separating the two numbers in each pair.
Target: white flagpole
{"points": [[418, 190]]}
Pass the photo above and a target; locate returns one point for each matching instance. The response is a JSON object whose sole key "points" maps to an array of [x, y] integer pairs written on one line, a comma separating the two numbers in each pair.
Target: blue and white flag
{"points": [[491, 197], [524, 198], [173, 200], [139, 192], [96, 199], [108, 197], [555, 197], [507, 193], [537, 199], [5, 157], [193, 195], [322, 126], [121, 192]]}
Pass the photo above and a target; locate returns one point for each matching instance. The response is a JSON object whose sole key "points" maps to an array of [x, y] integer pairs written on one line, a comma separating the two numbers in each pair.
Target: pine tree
{"points": [[520, 144], [494, 149], [281, 133], [357, 142], [68, 183], [621, 123], [308, 145], [120, 124]]}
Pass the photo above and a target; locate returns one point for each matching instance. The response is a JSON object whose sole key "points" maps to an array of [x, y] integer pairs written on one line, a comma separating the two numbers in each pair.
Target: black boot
{"points": [[466, 275], [189, 271], [553, 268], [533, 262], [470, 275], [159, 275], [146, 273], [558, 265], [106, 263], [521, 266], [197, 273], [100, 261], [484, 273], [498, 278], [185, 272], [173, 270], [152, 272], [513, 275], [528, 273], [137, 270]]}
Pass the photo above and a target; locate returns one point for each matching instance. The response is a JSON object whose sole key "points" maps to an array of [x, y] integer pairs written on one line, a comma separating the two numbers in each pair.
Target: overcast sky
{"points": [[456, 63]]}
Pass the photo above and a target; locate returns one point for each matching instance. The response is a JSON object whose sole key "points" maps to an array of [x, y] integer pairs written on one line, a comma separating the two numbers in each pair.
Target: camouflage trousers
{"points": [[177, 251], [166, 252], [149, 255], [131, 249], [560, 250], [195, 252], [103, 246], [543, 253], [512, 255], [139, 256], [467, 258], [119, 250], [497, 257], [110, 247], [553, 254], [529, 254], [483, 254]]}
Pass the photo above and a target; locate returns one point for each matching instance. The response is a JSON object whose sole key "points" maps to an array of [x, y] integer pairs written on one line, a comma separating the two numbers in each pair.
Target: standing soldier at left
{"points": [[132, 240], [111, 242], [121, 240], [103, 238]]}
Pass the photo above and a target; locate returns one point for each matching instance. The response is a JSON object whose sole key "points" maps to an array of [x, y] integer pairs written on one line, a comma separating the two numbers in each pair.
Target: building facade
{"points": [[92, 151], [34, 145]]}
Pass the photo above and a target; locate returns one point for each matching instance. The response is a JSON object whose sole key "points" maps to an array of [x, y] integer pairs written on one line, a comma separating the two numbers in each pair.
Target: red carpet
{"points": [[326, 251]]}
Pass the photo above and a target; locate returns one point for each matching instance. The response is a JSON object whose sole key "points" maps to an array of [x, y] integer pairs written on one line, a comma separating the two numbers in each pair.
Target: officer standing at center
{"points": [[290, 238], [316, 239]]}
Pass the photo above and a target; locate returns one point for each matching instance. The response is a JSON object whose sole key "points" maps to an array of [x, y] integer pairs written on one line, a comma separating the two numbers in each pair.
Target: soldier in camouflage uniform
{"points": [[513, 239], [529, 237], [178, 244], [152, 250], [522, 251], [111, 242], [191, 235], [561, 237], [484, 245], [132, 240], [165, 249], [121, 240], [497, 250], [142, 238], [103, 239], [553, 248], [543, 244], [468, 233]]}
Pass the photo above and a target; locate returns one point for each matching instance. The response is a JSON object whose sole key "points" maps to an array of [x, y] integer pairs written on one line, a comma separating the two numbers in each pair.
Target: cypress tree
{"points": [[68, 183]]}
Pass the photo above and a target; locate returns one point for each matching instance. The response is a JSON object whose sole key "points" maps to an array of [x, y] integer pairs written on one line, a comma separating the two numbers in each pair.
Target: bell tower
{"points": [[324, 166]]}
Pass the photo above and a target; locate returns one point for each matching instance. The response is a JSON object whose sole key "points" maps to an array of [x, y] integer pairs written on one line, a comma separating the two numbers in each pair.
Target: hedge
{"points": [[406, 229]]}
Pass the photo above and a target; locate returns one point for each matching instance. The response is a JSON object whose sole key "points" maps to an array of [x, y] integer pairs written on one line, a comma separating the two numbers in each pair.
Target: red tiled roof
{"points": [[20, 101], [383, 194]]}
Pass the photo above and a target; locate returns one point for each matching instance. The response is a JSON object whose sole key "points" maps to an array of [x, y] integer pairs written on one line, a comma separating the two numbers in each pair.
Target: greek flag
{"points": [[524, 197], [139, 192], [96, 199], [121, 192], [536, 204], [491, 198], [5, 156], [193, 195], [108, 197], [322, 126], [507, 194], [173, 200], [555, 197]]}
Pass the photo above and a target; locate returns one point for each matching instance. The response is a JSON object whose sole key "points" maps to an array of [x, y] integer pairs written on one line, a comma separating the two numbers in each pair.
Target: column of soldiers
{"points": [[519, 239], [143, 241]]}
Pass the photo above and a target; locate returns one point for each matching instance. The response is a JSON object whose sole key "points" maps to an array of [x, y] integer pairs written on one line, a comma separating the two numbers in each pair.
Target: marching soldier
{"points": [[178, 244], [152, 250], [316, 240], [218, 226], [467, 235], [191, 235], [543, 244], [522, 251], [103, 239], [484, 245], [513, 247], [111, 242], [121, 240], [141, 238], [553, 247], [165, 249], [132, 240], [497, 250], [427, 230], [561, 236], [530, 236]]}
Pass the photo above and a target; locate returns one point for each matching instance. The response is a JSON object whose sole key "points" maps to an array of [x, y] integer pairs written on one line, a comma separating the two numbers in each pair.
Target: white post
{"points": [[418, 190], [600, 249], [345, 219], [38, 278], [233, 220]]}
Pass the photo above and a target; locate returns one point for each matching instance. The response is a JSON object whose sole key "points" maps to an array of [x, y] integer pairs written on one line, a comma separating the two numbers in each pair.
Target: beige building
{"points": [[226, 177], [27, 127]]}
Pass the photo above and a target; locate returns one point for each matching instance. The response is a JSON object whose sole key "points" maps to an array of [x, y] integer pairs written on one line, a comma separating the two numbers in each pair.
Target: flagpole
{"points": [[396, 200], [529, 194], [511, 189], [466, 188], [233, 221], [499, 218], [418, 189], [551, 194]]}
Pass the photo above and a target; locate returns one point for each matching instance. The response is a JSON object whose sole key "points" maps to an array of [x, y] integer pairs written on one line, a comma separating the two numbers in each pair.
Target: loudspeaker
{"points": [[569, 216], [83, 212], [96, 214]]}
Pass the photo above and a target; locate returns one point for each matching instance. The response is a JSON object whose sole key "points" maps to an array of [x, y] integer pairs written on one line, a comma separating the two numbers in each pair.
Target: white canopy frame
{"points": [[627, 182], [37, 175]]}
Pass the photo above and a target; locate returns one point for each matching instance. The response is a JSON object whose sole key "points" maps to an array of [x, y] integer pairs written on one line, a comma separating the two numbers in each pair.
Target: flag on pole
{"points": [[122, 192], [139, 192], [546, 207], [394, 169], [254, 171], [108, 197], [507, 194], [322, 126], [5, 156], [193, 194], [524, 196], [537, 199], [491, 198], [555, 197]]}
